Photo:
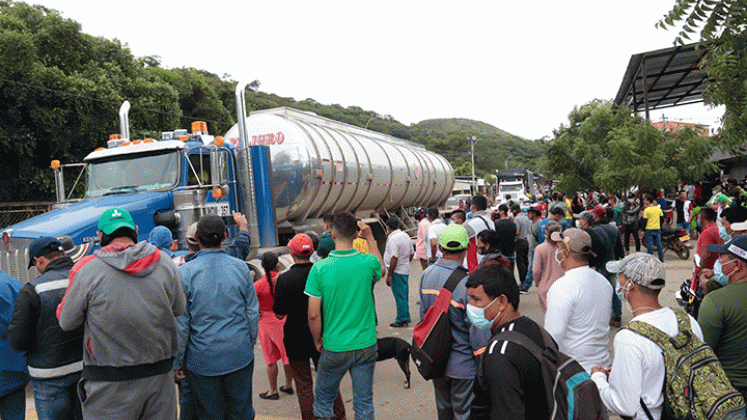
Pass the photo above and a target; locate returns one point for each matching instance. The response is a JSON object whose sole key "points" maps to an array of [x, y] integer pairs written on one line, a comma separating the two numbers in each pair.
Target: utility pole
{"points": [[472, 143]]}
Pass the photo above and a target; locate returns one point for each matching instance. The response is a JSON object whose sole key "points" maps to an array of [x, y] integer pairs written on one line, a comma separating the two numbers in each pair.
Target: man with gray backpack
{"points": [[662, 368]]}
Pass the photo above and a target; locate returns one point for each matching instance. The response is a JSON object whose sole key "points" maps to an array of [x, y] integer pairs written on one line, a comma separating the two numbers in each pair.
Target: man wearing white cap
{"points": [[637, 373], [578, 304]]}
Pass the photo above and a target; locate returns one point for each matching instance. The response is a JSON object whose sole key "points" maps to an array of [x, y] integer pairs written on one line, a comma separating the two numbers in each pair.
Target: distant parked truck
{"points": [[282, 168], [514, 185]]}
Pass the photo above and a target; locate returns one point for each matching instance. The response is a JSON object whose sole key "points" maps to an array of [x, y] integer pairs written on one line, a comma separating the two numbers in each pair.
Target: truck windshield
{"points": [[129, 173], [511, 188]]}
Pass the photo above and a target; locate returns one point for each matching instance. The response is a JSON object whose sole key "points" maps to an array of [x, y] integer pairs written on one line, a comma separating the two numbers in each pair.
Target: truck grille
{"points": [[15, 260]]}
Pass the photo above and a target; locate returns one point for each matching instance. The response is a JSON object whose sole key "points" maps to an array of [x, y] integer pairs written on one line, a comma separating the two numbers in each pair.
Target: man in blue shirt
{"points": [[13, 372], [454, 391], [218, 330]]}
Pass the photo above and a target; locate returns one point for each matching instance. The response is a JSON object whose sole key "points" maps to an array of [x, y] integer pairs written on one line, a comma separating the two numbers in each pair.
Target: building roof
{"points": [[672, 77]]}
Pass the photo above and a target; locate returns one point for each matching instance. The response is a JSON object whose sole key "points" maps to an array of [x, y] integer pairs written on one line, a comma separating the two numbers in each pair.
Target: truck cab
{"points": [[169, 182]]}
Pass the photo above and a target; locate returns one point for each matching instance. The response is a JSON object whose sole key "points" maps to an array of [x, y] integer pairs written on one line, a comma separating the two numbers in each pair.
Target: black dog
{"points": [[393, 347]]}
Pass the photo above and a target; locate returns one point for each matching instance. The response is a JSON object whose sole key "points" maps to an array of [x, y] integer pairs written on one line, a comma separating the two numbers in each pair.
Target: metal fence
{"points": [[12, 213]]}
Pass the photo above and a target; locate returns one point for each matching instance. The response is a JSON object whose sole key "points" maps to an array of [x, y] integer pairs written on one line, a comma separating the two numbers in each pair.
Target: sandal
{"points": [[267, 396], [287, 390]]}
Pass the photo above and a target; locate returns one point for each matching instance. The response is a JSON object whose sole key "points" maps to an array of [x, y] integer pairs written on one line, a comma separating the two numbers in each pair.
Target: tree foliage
{"points": [[722, 25], [61, 89], [614, 150]]}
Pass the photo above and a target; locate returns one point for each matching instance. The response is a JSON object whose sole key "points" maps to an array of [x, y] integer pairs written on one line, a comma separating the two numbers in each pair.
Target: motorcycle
{"points": [[675, 239], [691, 294]]}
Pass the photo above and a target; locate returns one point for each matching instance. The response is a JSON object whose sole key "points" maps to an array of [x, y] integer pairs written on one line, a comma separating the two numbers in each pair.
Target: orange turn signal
{"points": [[217, 193], [99, 149], [219, 141], [55, 164]]}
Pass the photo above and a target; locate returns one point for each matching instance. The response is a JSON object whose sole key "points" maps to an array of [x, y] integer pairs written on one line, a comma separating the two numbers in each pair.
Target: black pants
{"points": [[522, 258], [627, 231]]}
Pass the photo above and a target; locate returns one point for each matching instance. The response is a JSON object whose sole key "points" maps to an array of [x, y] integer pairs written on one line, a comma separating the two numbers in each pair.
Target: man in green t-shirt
{"points": [[339, 287], [652, 214], [723, 312]]}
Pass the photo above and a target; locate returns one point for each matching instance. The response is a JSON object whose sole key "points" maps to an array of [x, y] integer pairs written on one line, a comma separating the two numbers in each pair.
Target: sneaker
{"points": [[399, 324], [523, 291]]}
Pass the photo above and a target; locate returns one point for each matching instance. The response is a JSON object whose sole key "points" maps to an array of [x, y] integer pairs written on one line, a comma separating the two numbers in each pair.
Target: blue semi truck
{"points": [[282, 168]]}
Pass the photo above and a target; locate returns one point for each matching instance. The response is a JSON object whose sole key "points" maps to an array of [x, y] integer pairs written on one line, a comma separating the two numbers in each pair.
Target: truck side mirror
{"points": [[218, 167]]}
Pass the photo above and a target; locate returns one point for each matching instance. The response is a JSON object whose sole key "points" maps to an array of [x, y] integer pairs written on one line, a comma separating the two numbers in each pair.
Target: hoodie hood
{"points": [[135, 259]]}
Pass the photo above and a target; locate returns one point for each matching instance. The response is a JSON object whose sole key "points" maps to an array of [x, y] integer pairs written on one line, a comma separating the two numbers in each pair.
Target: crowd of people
{"points": [[108, 336]]}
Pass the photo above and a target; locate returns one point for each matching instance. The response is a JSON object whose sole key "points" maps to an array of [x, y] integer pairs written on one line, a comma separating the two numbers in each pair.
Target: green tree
{"points": [[614, 150], [722, 31]]}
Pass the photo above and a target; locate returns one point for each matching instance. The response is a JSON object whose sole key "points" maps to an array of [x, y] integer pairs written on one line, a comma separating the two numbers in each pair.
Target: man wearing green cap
{"points": [[126, 295], [454, 391]]}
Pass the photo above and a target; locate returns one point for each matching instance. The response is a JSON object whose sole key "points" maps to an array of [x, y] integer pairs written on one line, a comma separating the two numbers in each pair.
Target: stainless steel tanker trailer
{"points": [[282, 167]]}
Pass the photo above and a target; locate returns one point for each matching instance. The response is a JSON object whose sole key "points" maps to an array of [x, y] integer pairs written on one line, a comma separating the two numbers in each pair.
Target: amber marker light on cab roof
{"points": [[199, 126], [55, 164]]}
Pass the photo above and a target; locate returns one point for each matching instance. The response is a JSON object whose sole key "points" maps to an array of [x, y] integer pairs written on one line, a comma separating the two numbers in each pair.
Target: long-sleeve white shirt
{"points": [[579, 306], [638, 369]]}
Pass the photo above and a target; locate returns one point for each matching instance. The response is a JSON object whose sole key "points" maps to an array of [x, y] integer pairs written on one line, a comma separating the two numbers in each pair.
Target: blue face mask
{"points": [[477, 316], [722, 233], [619, 292], [718, 274]]}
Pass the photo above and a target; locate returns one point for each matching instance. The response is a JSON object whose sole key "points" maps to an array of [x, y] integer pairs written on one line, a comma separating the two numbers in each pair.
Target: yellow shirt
{"points": [[652, 215]]}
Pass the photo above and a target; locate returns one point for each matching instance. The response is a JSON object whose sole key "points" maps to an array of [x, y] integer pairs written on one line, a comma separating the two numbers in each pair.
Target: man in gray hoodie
{"points": [[127, 296]]}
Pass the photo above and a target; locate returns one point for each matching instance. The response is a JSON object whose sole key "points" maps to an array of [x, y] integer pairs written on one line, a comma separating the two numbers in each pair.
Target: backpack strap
{"points": [[456, 276], [523, 341], [664, 341], [484, 221], [646, 410]]}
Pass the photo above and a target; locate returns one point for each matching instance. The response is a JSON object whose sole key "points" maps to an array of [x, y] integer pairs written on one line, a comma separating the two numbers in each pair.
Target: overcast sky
{"points": [[521, 65]]}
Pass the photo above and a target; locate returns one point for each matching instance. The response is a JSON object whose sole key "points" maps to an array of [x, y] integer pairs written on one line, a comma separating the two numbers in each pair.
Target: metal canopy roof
{"points": [[662, 78]]}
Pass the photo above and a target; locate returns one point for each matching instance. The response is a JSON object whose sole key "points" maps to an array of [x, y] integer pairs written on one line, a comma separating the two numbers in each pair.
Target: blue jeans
{"points": [[684, 225], [653, 236], [57, 398], [332, 367], [226, 396], [527, 282], [399, 290], [13, 405], [187, 403]]}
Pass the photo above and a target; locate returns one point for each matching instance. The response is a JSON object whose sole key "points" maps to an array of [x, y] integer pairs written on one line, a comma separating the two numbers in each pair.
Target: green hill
{"points": [[450, 125]]}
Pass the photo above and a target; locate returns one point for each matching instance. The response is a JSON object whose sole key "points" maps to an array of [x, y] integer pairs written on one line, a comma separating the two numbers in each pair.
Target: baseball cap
{"points": [[210, 227], [113, 219], [721, 198], [599, 211], [642, 268], [192, 234], [43, 246], [737, 247], [454, 237], [575, 239], [739, 227], [301, 244]]}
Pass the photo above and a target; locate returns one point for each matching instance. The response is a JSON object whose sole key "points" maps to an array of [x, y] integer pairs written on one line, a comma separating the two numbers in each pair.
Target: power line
{"points": [[139, 108]]}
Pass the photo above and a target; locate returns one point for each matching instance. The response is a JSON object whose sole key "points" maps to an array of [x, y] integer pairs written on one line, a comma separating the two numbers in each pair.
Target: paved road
{"points": [[390, 398]]}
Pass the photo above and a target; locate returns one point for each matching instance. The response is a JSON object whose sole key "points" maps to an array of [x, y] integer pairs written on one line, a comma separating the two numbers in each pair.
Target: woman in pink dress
{"points": [[544, 268], [271, 329]]}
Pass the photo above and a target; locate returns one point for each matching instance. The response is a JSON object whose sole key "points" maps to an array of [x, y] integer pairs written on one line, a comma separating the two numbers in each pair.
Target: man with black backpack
{"points": [[636, 386], [522, 375]]}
